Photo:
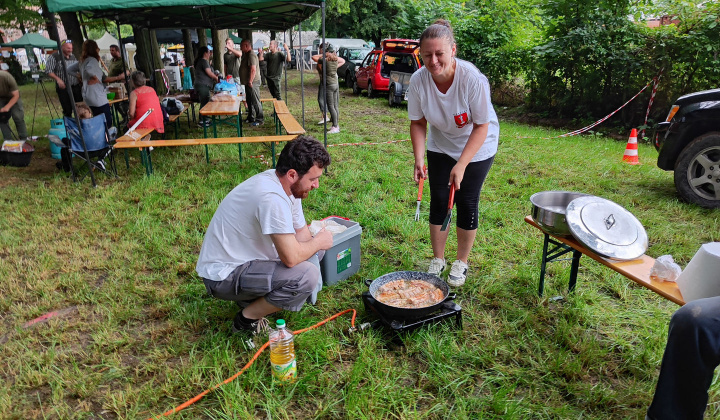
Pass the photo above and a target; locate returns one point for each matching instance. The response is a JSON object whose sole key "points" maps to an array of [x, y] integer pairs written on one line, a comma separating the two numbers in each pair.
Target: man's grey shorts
{"points": [[283, 287]]}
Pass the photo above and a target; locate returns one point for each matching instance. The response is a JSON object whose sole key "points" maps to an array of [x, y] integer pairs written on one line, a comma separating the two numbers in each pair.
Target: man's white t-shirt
{"points": [[451, 115], [243, 222]]}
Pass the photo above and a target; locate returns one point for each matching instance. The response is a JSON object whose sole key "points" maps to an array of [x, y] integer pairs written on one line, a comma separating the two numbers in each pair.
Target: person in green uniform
{"points": [[231, 58], [116, 70], [275, 62], [250, 77], [11, 106]]}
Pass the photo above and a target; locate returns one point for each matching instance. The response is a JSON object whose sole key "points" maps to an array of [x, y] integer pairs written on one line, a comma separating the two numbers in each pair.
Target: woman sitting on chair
{"points": [[143, 98]]}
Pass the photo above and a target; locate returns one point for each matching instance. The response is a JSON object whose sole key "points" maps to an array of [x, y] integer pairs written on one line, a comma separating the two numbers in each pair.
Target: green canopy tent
{"points": [[32, 40], [278, 15]]}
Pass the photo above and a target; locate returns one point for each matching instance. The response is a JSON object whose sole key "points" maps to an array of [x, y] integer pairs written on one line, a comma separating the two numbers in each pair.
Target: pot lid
{"points": [[606, 228]]}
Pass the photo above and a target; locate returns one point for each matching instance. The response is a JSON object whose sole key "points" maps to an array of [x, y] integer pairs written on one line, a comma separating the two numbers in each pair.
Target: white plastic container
{"points": [[701, 277]]}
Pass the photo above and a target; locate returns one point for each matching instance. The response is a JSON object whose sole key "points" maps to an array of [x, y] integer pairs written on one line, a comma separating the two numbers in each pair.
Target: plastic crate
{"points": [[15, 159], [343, 259]]}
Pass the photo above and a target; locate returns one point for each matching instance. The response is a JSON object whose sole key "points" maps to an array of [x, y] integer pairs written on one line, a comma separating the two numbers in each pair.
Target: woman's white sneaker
{"points": [[458, 274], [437, 266]]}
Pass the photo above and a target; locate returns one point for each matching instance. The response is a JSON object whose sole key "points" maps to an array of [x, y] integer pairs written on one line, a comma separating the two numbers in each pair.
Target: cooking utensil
{"points": [[408, 313], [548, 210], [450, 206], [420, 188], [606, 228]]}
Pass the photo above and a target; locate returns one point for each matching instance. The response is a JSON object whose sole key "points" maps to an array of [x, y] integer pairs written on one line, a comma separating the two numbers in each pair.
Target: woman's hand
{"points": [[456, 175], [420, 172]]}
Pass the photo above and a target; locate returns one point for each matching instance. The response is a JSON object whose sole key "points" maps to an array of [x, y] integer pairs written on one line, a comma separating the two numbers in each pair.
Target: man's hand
{"points": [[5, 109], [229, 44], [324, 238], [61, 84]]}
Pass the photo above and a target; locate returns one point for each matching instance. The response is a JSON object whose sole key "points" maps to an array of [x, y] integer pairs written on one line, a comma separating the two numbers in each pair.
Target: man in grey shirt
{"points": [[55, 70]]}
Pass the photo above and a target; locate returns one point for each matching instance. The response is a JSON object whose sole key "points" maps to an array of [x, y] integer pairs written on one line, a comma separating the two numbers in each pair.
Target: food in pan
{"points": [[409, 294]]}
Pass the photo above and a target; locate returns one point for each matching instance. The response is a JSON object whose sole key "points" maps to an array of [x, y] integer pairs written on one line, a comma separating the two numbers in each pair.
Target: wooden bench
{"points": [[637, 270], [173, 119], [145, 143]]}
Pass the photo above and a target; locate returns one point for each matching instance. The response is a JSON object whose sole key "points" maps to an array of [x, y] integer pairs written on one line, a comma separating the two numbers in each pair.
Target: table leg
{"points": [[574, 269], [214, 126], [272, 152], [207, 155], [541, 285], [204, 130], [127, 159]]}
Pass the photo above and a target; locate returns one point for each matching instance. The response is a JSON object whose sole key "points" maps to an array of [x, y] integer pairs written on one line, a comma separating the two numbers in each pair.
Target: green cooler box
{"points": [[343, 259]]}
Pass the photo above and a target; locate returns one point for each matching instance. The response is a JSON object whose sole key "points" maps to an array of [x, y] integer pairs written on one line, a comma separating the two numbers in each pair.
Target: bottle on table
{"points": [[282, 353]]}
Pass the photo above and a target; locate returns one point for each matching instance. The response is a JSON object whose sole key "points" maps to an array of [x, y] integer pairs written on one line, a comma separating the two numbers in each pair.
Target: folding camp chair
{"points": [[98, 140]]}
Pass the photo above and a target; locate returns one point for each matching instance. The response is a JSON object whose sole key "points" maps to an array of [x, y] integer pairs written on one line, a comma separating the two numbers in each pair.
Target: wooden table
{"points": [[226, 112], [637, 270]]}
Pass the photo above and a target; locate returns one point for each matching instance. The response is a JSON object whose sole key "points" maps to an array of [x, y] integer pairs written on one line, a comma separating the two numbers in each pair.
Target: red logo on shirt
{"points": [[461, 120]]}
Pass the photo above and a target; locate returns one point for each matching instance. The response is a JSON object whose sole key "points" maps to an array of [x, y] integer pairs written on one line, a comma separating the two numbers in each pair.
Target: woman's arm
{"points": [[211, 74], [418, 133], [133, 103], [474, 143], [316, 57], [341, 61]]}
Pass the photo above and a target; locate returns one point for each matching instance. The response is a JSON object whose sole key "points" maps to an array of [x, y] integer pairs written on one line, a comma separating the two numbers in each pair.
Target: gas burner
{"points": [[446, 312]]}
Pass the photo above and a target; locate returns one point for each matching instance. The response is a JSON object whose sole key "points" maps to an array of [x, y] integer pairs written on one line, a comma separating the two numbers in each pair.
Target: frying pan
{"points": [[408, 313]]}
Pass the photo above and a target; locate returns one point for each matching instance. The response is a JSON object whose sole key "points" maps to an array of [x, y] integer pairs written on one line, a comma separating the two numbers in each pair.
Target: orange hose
{"points": [[199, 396]]}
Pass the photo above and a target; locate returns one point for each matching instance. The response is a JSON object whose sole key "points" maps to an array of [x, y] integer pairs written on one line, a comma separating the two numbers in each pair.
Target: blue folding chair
{"points": [[98, 141]]}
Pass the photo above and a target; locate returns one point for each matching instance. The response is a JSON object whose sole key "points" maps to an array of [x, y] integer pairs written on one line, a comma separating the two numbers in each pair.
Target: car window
{"points": [[393, 61]]}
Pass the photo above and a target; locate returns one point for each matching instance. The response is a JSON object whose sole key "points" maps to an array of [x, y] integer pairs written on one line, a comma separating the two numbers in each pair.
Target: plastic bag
{"points": [[225, 86], [330, 225], [665, 269]]}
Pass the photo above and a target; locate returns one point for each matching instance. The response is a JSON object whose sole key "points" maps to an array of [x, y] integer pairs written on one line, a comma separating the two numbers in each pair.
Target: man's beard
{"points": [[298, 192]]}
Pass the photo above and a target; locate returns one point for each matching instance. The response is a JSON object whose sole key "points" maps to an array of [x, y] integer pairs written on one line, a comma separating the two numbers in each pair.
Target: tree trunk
{"points": [[72, 29], [218, 40], [143, 50], [202, 37], [246, 34], [157, 63], [188, 52], [48, 20]]}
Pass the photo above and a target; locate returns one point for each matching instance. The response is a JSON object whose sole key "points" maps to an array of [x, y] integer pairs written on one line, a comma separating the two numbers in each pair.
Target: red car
{"points": [[400, 55]]}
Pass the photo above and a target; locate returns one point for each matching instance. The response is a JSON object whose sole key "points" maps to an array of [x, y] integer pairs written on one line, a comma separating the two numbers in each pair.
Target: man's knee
{"points": [[697, 314], [309, 280]]}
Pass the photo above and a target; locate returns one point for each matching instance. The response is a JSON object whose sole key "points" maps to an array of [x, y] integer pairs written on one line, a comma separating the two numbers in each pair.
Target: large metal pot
{"points": [[548, 210], [408, 313]]}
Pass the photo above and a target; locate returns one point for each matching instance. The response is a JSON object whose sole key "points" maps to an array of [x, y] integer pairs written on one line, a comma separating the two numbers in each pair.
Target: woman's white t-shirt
{"points": [[451, 115]]}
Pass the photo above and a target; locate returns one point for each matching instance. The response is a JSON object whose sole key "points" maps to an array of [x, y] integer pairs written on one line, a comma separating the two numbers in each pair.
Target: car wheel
{"points": [[349, 79], [356, 88], [391, 96], [697, 172], [370, 91]]}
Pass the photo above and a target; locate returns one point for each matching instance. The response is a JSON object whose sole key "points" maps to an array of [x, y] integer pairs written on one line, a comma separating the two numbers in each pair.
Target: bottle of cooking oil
{"points": [[282, 353]]}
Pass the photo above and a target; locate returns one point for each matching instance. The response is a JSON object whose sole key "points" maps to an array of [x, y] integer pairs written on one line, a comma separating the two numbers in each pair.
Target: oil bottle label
{"points": [[284, 372], [344, 260]]}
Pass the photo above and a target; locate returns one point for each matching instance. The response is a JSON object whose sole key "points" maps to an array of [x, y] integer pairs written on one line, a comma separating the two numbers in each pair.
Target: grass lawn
{"points": [[139, 336]]}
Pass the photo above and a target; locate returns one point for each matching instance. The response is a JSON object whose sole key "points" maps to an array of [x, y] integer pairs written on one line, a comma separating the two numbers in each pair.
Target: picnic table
{"points": [[223, 112]]}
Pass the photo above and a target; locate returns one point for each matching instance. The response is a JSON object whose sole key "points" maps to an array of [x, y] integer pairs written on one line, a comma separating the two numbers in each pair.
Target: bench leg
{"points": [[127, 159], [207, 155], [272, 152], [177, 126]]}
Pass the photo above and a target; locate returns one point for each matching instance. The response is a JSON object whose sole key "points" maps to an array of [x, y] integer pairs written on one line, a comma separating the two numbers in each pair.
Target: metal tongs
{"points": [[419, 198], [450, 206]]}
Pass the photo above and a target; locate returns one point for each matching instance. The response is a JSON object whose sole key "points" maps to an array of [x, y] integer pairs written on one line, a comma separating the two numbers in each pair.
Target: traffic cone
{"points": [[631, 150]]}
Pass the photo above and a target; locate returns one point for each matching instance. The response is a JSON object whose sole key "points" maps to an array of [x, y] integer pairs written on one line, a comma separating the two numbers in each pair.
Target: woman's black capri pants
{"points": [[466, 198]]}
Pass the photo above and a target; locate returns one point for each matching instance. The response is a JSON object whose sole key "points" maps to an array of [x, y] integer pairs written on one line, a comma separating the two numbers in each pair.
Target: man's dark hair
{"points": [[301, 154]]}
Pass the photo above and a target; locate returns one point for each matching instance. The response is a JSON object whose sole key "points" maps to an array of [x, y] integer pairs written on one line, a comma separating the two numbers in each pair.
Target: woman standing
{"points": [[143, 98], [452, 97], [93, 90], [331, 62], [205, 79]]}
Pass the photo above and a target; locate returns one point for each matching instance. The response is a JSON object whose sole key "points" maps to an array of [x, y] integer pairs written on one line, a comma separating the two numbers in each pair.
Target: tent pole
{"points": [[324, 77], [122, 57], [82, 25], [301, 62], [72, 99], [284, 66]]}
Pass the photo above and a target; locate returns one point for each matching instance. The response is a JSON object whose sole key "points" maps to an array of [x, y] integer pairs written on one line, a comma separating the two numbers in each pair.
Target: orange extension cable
{"points": [[199, 396]]}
